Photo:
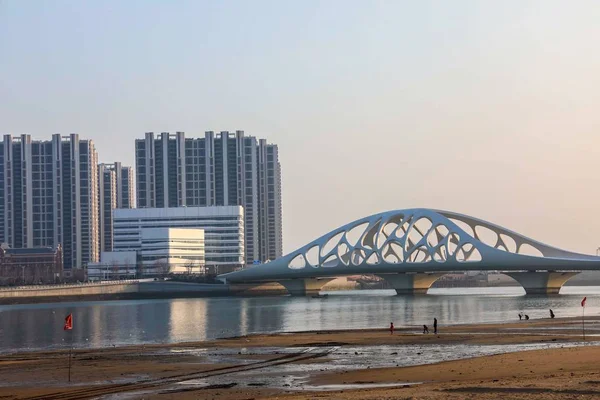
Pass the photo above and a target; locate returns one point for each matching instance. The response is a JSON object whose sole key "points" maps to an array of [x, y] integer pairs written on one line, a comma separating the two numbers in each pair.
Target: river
{"points": [[107, 323]]}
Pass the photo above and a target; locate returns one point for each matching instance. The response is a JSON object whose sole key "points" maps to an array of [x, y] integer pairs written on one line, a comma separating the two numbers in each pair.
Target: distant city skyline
{"points": [[44, 181], [482, 108]]}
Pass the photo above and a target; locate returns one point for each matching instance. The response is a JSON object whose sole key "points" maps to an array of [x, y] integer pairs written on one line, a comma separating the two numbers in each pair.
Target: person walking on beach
{"points": [[391, 328], [520, 316], [551, 314], [435, 325], [425, 329]]}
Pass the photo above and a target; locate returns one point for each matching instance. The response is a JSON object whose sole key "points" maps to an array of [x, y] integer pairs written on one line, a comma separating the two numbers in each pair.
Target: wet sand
{"points": [[156, 371]]}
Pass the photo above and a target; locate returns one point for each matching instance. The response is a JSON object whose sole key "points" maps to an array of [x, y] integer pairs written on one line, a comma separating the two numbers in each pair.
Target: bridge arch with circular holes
{"points": [[412, 248]]}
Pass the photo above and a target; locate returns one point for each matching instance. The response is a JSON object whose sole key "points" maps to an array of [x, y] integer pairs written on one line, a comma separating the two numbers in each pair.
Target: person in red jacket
{"points": [[391, 328]]}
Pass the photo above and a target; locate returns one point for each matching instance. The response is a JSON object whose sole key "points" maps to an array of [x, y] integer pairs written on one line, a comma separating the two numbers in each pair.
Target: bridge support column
{"points": [[541, 282], [406, 283], [304, 287]]}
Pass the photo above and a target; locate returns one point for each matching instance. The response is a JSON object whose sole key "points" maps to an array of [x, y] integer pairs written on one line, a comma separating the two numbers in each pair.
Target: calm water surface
{"points": [[98, 324]]}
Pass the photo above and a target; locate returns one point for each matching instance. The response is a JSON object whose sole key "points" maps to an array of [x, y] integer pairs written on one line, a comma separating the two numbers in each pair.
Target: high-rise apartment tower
{"points": [[125, 189], [223, 169], [115, 184], [107, 184], [269, 197], [49, 196]]}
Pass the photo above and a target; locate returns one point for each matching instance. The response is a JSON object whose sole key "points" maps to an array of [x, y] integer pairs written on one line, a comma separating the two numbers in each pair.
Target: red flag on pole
{"points": [[583, 301], [68, 322]]}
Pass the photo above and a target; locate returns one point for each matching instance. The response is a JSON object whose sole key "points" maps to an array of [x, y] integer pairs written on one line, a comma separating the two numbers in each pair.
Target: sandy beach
{"points": [[557, 365]]}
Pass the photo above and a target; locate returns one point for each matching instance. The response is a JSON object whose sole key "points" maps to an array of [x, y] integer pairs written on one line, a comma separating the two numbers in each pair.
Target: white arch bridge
{"points": [[412, 248]]}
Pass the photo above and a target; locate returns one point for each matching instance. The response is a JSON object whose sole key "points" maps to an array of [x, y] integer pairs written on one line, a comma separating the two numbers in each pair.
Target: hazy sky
{"points": [[486, 108]]}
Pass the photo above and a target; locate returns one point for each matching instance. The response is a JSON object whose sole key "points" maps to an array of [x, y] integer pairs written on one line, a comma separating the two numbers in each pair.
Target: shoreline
{"points": [[565, 329], [226, 366], [199, 291], [10, 301]]}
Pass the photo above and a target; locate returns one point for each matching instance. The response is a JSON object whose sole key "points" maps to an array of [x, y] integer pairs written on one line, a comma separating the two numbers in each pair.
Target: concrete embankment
{"points": [[109, 291], [143, 289]]}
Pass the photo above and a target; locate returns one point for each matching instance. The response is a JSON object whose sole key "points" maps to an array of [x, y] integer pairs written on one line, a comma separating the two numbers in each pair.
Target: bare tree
{"points": [[128, 268], [114, 269], [23, 274], [4, 274], [162, 267], [4, 278], [189, 267], [37, 275]]}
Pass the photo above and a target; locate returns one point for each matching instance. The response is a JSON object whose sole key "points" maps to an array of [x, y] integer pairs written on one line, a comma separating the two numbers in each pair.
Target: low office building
{"points": [[162, 251], [172, 250], [115, 265], [223, 228], [30, 265]]}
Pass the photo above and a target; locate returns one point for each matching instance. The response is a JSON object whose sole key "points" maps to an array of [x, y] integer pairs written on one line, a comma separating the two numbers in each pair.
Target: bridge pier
{"points": [[304, 287], [541, 282], [407, 283]]}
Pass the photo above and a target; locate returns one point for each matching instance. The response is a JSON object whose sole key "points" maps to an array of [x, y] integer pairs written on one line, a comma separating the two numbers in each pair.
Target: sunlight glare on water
{"points": [[107, 323]]}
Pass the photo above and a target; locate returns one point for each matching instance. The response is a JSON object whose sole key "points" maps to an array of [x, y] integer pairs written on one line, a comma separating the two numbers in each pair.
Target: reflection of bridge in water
{"points": [[412, 248]]}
